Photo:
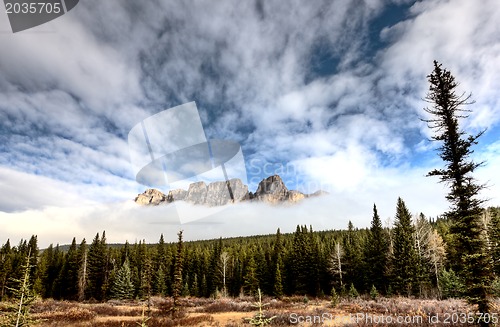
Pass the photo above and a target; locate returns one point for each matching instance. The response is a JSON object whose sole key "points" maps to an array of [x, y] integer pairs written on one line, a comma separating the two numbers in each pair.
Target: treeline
{"points": [[407, 258]]}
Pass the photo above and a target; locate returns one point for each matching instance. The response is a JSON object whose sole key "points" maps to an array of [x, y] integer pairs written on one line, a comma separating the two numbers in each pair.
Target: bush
{"points": [[353, 293], [373, 293], [334, 298]]}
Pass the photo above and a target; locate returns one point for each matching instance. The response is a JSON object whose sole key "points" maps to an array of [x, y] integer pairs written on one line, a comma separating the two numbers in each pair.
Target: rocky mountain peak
{"points": [[271, 190], [150, 196]]}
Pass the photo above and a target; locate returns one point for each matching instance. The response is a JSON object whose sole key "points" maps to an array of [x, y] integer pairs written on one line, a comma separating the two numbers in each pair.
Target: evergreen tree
{"points": [[33, 250], [96, 274], [57, 290], [5, 268], [23, 298], [278, 282], [377, 249], [353, 257], [250, 280], [405, 260], [48, 271], [470, 257], [194, 290], [69, 273], [213, 276], [147, 279], [303, 262], [494, 236], [159, 285], [178, 285], [82, 270], [122, 287], [353, 292]]}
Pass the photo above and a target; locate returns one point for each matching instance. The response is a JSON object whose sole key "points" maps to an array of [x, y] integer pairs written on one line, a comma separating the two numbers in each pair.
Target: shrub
{"points": [[373, 293], [353, 293], [334, 298]]}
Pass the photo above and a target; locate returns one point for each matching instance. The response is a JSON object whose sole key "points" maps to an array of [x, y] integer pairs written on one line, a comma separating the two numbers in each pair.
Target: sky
{"points": [[327, 94]]}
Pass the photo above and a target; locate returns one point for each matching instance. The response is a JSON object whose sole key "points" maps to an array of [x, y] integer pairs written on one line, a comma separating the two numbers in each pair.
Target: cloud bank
{"points": [[331, 88]]}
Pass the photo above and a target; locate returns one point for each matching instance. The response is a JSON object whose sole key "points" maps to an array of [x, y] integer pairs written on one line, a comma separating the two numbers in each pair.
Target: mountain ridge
{"points": [[270, 190]]}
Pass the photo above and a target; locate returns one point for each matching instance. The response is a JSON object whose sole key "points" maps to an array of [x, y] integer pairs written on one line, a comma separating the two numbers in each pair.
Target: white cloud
{"points": [[69, 95], [128, 221]]}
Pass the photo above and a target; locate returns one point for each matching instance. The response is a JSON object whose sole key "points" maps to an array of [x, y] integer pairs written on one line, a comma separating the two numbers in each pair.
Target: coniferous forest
{"points": [[408, 258]]}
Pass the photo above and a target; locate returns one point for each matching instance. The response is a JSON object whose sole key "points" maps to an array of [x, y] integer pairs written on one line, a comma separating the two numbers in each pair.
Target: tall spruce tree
{"points": [[177, 287], [494, 236], [470, 257], [96, 274], [250, 280], [278, 281], [69, 273], [353, 259], [5, 267], [405, 260], [82, 269], [377, 249], [23, 298], [122, 287]]}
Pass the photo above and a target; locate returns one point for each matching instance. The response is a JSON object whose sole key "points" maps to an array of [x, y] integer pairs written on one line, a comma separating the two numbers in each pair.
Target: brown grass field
{"points": [[395, 311]]}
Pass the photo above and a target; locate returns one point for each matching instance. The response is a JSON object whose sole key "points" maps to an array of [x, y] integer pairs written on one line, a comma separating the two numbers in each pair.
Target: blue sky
{"points": [[326, 93]]}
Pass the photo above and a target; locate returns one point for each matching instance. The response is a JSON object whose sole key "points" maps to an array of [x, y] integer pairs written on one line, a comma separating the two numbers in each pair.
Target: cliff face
{"points": [[271, 190], [151, 196]]}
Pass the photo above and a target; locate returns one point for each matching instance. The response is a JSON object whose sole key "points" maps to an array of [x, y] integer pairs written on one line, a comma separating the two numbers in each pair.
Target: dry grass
{"points": [[232, 312]]}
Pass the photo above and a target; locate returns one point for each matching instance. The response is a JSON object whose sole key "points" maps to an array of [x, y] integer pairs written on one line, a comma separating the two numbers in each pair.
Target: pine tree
{"points": [[33, 250], [278, 282], [82, 269], [23, 297], [194, 286], [58, 263], [178, 285], [303, 261], [47, 272], [470, 257], [405, 260], [377, 249], [494, 236], [250, 280], [5, 267], [353, 292], [122, 287], [69, 273], [96, 262], [163, 263], [352, 265], [213, 275]]}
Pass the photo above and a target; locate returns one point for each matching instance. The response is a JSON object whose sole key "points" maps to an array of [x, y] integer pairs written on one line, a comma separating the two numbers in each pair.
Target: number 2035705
{"points": [[33, 8]]}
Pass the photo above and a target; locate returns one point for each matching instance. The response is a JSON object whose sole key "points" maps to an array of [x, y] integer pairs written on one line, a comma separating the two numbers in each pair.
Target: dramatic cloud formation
{"points": [[327, 93]]}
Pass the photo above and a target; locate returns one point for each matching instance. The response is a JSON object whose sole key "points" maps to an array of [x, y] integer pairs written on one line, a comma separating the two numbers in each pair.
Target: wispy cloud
{"points": [[315, 85]]}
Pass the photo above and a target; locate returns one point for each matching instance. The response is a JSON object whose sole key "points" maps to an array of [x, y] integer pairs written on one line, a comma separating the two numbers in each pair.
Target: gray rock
{"points": [[271, 190], [197, 193], [220, 193], [151, 196], [177, 195]]}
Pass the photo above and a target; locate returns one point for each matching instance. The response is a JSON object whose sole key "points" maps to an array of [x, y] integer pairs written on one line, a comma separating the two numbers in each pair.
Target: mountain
{"points": [[271, 190]]}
